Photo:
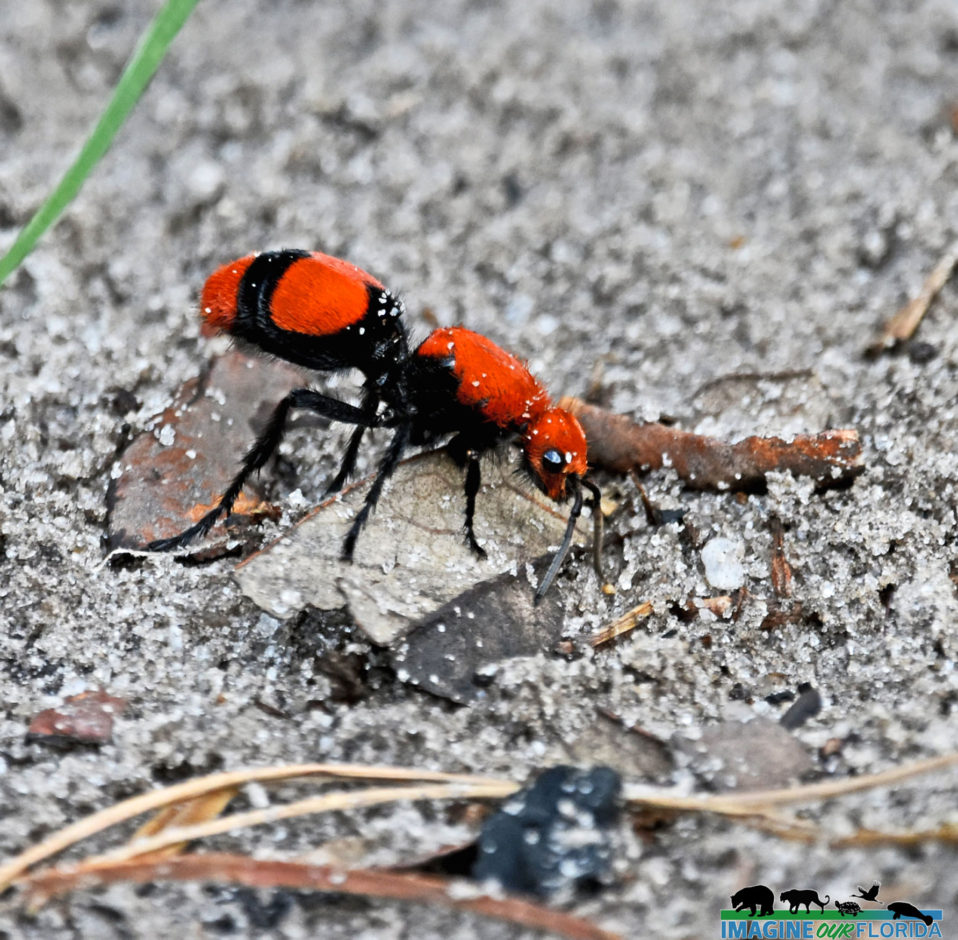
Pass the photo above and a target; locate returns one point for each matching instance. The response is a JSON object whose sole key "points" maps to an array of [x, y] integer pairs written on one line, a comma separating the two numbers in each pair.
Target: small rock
{"points": [[736, 755], [86, 718], [723, 562], [807, 705], [205, 181], [552, 834]]}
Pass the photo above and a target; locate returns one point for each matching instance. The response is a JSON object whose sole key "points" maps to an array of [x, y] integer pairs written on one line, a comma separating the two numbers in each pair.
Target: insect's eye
{"points": [[552, 460]]}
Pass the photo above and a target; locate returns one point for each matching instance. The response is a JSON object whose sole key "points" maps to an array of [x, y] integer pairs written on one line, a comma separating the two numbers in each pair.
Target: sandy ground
{"points": [[640, 198]]}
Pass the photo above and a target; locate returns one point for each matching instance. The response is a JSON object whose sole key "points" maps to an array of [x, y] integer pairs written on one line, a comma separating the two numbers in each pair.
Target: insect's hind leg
{"points": [[369, 407], [261, 451], [473, 480], [397, 447]]}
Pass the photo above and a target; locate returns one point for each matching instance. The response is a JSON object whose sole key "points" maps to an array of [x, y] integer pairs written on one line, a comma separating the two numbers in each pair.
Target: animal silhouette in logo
{"points": [[796, 898], [870, 895], [755, 897], [848, 907], [904, 909]]}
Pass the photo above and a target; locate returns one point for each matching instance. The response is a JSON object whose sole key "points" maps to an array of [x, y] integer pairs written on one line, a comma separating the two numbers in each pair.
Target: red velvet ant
{"points": [[328, 315]]}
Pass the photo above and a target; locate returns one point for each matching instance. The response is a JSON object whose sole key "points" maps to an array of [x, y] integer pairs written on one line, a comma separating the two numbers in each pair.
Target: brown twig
{"points": [[620, 445], [327, 802], [745, 802], [191, 789], [901, 327], [781, 569], [256, 873], [622, 625]]}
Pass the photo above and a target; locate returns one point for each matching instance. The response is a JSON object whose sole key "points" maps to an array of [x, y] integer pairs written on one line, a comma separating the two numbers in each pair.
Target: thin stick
{"points": [[620, 445], [902, 325], [328, 802], [622, 625], [189, 789], [238, 869], [746, 802]]}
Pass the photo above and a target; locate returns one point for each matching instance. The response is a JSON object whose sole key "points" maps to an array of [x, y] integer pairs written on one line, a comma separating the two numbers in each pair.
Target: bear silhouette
{"points": [[904, 909], [848, 907], [870, 895], [796, 898], [756, 896]]}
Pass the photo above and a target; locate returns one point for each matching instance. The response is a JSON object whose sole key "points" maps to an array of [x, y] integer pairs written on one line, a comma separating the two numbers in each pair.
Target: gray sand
{"points": [[639, 198]]}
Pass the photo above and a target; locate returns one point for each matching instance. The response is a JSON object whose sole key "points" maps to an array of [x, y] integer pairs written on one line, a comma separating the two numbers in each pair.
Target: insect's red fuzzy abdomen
{"points": [[220, 293], [490, 380], [320, 295]]}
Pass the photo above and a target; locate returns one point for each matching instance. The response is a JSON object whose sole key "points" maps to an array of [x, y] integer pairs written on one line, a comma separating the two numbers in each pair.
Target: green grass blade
{"points": [[137, 74]]}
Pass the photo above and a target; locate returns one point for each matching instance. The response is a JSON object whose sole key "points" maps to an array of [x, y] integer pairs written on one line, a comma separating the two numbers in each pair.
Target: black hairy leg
{"points": [[262, 450]]}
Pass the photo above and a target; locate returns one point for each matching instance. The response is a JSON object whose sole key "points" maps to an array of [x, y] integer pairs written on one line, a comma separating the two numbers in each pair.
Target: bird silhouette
{"points": [[870, 895]]}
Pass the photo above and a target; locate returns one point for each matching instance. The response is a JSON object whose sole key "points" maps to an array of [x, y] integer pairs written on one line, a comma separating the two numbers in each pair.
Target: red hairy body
{"points": [[218, 300], [501, 390], [328, 315], [489, 379], [321, 295]]}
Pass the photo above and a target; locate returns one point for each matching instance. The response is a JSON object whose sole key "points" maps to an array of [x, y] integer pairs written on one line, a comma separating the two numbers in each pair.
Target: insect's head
{"points": [[555, 450]]}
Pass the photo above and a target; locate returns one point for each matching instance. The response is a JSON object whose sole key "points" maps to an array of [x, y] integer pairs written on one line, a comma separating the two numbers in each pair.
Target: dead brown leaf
{"points": [[190, 452], [411, 559]]}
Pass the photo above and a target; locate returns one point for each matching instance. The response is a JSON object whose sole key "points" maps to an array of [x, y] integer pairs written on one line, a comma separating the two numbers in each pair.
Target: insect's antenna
{"points": [[596, 525], [559, 556]]}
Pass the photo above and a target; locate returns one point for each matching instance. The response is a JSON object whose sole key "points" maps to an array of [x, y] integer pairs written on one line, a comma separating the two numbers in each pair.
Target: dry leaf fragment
{"points": [[456, 650], [189, 813], [623, 624], [190, 452], [411, 558]]}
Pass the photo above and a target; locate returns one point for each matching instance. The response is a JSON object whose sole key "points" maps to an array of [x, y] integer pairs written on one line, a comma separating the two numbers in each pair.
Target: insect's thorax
{"points": [[460, 382]]}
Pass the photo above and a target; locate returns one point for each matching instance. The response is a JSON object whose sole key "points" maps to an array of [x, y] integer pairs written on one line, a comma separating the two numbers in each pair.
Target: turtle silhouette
{"points": [[848, 907]]}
